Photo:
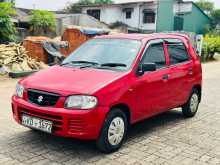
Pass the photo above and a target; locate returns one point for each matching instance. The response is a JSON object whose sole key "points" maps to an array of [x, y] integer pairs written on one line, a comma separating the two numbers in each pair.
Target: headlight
{"points": [[19, 90], [81, 102]]}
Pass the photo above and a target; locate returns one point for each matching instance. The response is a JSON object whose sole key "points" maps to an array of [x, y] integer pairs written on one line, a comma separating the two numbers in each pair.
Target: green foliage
{"points": [[103, 2], [42, 22], [85, 2], [77, 7], [206, 5], [6, 9], [13, 3], [211, 46], [214, 28], [216, 17], [7, 28]]}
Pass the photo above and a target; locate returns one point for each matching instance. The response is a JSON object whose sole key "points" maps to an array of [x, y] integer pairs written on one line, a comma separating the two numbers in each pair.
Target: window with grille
{"points": [[148, 16]]}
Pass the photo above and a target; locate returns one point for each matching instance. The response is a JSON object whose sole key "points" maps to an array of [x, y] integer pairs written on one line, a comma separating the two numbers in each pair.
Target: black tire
{"points": [[187, 109], [103, 143]]}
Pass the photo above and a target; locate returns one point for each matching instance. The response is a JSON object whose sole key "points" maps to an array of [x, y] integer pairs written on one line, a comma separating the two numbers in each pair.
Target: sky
{"points": [[54, 5]]}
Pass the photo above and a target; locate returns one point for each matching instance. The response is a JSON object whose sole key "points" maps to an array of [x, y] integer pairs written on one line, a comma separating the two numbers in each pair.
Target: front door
{"points": [[152, 88]]}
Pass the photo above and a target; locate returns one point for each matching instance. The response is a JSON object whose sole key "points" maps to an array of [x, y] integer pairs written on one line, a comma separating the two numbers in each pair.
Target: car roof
{"points": [[142, 37]]}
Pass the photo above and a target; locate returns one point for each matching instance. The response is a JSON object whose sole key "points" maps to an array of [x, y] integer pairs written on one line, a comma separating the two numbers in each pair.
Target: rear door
{"points": [[181, 71]]}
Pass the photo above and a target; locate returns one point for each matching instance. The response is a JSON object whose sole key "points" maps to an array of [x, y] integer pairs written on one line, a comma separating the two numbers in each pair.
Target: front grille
{"points": [[42, 98], [57, 120]]}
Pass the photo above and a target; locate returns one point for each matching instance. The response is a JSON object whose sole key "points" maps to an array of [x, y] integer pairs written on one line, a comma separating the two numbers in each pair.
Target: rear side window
{"points": [[177, 51], [155, 54]]}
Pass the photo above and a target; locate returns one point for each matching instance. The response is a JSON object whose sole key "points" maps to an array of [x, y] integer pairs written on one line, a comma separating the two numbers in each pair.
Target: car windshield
{"points": [[115, 54]]}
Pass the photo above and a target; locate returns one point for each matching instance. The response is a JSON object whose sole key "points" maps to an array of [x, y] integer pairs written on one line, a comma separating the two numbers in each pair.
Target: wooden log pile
{"points": [[14, 57]]}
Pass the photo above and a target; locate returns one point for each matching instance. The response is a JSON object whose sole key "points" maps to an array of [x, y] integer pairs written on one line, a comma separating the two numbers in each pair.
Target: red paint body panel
{"points": [[145, 95]]}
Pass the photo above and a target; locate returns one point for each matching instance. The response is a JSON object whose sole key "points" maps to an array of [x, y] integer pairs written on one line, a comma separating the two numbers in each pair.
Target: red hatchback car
{"points": [[109, 83]]}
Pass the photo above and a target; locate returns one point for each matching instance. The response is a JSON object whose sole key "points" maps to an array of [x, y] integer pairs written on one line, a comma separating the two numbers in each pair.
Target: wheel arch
{"points": [[125, 108]]}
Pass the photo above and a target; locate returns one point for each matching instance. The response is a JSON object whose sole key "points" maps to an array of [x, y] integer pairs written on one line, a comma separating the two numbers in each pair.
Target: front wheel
{"points": [[113, 132], [191, 107]]}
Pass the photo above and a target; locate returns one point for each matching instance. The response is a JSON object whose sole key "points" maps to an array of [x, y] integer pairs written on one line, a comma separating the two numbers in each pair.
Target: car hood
{"points": [[68, 80]]}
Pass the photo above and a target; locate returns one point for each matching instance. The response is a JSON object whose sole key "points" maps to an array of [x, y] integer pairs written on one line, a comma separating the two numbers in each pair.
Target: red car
{"points": [[109, 83]]}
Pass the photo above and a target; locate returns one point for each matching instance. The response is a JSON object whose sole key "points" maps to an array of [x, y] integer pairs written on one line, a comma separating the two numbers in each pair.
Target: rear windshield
{"points": [[103, 51]]}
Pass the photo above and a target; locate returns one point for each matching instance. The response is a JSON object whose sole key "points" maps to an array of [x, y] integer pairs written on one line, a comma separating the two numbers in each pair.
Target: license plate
{"points": [[37, 123]]}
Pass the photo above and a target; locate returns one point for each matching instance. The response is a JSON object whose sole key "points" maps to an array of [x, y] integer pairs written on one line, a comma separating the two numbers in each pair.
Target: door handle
{"points": [[190, 71], [166, 77]]}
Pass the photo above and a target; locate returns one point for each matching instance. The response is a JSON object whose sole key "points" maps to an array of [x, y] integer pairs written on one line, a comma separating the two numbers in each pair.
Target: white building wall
{"points": [[134, 20], [148, 26], [112, 14], [108, 14], [182, 7]]}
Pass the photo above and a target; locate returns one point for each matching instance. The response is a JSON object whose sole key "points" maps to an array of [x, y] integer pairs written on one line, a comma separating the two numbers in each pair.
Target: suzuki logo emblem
{"points": [[40, 99]]}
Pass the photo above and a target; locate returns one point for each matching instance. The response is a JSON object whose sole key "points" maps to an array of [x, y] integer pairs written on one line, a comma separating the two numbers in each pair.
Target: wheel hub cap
{"points": [[194, 102], [116, 131]]}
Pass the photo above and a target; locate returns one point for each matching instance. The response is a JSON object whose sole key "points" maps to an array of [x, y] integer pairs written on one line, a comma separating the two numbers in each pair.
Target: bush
{"points": [[211, 46], [7, 28], [42, 22]]}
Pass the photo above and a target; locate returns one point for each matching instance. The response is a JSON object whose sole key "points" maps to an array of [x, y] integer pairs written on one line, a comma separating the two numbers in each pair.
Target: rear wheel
{"points": [[191, 107], [113, 132]]}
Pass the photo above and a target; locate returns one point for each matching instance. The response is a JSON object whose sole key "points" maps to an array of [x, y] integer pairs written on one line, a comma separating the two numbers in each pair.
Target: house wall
{"points": [[112, 14], [182, 7], [134, 20], [196, 21], [108, 14], [148, 26], [79, 20], [165, 17], [194, 18]]}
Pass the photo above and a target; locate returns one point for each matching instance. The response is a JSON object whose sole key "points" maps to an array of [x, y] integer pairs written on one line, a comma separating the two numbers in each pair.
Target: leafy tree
{"points": [[206, 5], [85, 2], [77, 7], [7, 27], [42, 22], [216, 17], [13, 3], [103, 1]]}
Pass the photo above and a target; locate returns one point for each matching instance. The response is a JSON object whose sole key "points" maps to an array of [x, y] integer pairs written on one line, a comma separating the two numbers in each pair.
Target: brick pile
{"points": [[35, 49], [75, 38]]}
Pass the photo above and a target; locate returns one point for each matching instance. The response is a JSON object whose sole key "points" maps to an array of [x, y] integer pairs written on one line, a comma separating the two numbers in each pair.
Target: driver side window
{"points": [[155, 54]]}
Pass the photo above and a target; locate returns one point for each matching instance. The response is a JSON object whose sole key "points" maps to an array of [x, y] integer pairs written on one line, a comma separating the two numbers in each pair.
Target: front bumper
{"points": [[81, 124]]}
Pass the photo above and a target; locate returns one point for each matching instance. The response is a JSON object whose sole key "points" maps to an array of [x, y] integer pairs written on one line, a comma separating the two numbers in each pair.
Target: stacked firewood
{"points": [[14, 57]]}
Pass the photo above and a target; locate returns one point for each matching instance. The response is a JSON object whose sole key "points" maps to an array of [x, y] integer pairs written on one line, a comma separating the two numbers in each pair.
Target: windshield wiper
{"points": [[113, 65], [80, 62]]}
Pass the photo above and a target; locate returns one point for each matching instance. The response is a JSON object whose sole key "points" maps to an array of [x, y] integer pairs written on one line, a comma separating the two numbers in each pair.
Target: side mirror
{"points": [[146, 67]]}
